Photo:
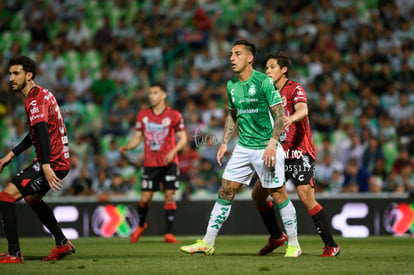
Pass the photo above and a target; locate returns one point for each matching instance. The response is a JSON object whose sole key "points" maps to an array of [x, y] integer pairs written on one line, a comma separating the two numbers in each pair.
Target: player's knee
{"points": [[226, 193], [257, 197], [30, 200]]}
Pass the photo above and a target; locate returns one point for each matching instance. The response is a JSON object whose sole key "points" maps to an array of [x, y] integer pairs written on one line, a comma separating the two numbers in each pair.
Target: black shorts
{"points": [[160, 178], [300, 170], [32, 180]]}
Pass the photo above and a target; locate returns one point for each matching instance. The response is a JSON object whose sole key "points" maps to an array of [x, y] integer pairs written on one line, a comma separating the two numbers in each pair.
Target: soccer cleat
{"points": [[60, 251], [272, 244], [169, 238], [137, 233], [199, 246], [293, 251], [331, 251], [6, 258]]}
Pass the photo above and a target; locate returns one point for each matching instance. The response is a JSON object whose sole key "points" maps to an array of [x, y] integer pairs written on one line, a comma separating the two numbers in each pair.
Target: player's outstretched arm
{"points": [[229, 128], [134, 142], [269, 154]]}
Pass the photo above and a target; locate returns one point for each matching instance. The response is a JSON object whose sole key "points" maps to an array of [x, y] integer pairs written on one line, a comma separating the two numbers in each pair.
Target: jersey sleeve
{"points": [[271, 93], [230, 95], [299, 95], [38, 111], [139, 125], [179, 126]]}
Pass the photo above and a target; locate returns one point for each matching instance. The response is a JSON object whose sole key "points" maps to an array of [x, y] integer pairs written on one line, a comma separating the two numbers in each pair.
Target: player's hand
{"points": [[269, 156], [6, 160], [287, 121], [169, 157], [54, 182], [123, 149], [220, 153]]}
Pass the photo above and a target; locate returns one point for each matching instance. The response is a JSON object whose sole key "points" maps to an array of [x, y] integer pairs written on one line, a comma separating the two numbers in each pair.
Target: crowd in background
{"points": [[355, 60]]}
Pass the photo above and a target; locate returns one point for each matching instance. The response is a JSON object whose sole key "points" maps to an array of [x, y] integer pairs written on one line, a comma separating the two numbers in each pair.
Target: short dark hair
{"points": [[249, 46], [28, 64], [162, 87], [282, 59]]}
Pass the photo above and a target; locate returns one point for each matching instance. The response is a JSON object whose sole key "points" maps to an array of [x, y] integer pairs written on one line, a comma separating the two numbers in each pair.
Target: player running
{"points": [[256, 106], [158, 127], [47, 133], [299, 150]]}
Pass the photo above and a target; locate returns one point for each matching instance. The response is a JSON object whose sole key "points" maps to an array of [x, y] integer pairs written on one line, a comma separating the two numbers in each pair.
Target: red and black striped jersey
{"points": [[41, 106], [298, 136], [159, 134]]}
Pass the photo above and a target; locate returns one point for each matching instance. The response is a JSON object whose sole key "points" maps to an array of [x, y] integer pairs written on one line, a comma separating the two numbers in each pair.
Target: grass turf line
{"points": [[234, 255]]}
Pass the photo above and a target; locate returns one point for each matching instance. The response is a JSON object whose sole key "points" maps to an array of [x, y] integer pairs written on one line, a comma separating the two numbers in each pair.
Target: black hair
{"points": [[162, 87], [29, 66], [249, 46], [283, 60]]}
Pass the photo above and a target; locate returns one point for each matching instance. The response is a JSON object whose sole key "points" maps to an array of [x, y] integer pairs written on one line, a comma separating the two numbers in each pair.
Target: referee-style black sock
{"points": [[322, 227], [142, 213], [9, 222], [46, 216], [268, 215]]}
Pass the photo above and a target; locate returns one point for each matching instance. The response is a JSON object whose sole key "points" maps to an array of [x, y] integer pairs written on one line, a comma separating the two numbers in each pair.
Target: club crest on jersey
{"points": [[252, 90], [166, 121]]}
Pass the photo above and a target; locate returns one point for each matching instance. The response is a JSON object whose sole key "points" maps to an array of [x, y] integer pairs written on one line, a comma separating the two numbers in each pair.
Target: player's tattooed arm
{"points": [[279, 112], [229, 125], [269, 154]]}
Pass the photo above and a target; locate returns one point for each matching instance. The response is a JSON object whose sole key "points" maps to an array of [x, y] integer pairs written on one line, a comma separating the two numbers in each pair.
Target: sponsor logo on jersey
{"points": [[34, 110], [155, 135], [248, 111], [36, 117]]}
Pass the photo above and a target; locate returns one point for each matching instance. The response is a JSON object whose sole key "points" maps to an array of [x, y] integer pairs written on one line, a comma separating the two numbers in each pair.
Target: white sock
{"points": [[288, 214], [218, 215]]}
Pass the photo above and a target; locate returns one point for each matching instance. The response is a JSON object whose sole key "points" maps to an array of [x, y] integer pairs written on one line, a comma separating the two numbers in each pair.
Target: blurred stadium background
{"points": [[355, 60]]}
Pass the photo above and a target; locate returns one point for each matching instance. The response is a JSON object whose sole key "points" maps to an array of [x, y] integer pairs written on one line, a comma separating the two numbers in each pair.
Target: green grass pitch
{"points": [[236, 254]]}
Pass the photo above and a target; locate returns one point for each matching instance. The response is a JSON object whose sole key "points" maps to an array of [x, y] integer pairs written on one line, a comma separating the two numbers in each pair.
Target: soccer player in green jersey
{"points": [[256, 106]]}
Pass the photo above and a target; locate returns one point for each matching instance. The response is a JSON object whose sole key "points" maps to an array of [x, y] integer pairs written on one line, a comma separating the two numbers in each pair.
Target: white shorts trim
{"points": [[244, 162]]}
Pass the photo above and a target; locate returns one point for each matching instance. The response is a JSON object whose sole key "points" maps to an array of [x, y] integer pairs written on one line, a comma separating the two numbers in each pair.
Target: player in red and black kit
{"points": [[158, 127], [299, 149], [47, 133]]}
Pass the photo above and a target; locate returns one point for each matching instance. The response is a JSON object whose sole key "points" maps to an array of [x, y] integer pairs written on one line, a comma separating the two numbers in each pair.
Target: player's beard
{"points": [[19, 87]]}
